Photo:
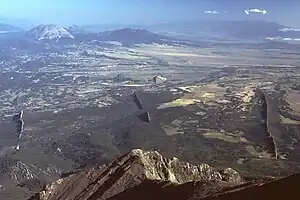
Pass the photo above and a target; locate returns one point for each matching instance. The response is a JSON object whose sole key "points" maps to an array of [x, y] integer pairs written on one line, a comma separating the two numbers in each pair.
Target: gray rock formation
{"points": [[230, 175], [18, 119], [159, 79], [130, 171], [137, 101], [145, 117]]}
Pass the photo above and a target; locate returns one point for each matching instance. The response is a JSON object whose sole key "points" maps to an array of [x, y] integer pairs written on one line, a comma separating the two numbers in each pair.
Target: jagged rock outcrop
{"points": [[137, 101], [269, 108], [262, 189], [145, 117], [18, 119], [231, 175], [284, 188], [148, 175], [159, 79], [133, 170]]}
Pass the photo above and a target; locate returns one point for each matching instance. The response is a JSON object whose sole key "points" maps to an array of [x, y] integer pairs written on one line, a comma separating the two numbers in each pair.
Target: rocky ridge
{"points": [[131, 170], [148, 175]]}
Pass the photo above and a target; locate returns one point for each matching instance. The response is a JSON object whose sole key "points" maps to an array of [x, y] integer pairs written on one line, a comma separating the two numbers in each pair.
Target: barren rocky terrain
{"points": [[147, 175], [71, 105]]}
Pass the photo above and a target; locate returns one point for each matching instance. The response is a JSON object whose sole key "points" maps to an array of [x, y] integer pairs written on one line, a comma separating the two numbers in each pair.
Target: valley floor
{"points": [[228, 106]]}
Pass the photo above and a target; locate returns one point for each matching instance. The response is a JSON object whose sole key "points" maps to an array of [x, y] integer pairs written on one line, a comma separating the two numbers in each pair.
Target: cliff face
{"points": [[146, 175]]}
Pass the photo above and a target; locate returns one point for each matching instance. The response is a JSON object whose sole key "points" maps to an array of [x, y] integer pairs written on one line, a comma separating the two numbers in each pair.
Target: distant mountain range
{"points": [[6, 28], [164, 33], [126, 36], [217, 29], [16, 22]]}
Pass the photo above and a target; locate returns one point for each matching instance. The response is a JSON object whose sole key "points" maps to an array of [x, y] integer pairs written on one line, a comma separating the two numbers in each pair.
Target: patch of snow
{"points": [[36, 81], [50, 32], [286, 29], [159, 79], [282, 39], [185, 89], [214, 12], [256, 10]]}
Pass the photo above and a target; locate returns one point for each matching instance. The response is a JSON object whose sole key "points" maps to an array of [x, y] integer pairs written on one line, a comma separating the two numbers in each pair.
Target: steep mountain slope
{"points": [[49, 32], [285, 188], [129, 171], [147, 175], [278, 189]]}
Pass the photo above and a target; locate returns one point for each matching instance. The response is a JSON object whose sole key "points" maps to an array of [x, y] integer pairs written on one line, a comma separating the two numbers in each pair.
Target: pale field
{"points": [[175, 62], [196, 94], [227, 137], [236, 139], [293, 99], [290, 121], [210, 94], [172, 130], [260, 154], [220, 56]]}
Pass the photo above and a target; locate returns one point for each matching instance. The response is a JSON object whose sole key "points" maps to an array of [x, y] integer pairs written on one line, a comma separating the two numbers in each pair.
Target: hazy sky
{"points": [[146, 11]]}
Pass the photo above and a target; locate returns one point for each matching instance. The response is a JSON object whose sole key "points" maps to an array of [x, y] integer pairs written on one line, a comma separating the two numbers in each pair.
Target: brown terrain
{"points": [[69, 108], [148, 175]]}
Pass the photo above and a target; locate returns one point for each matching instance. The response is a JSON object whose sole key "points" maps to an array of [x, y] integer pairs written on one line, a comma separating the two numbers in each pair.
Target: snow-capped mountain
{"points": [[49, 32]]}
